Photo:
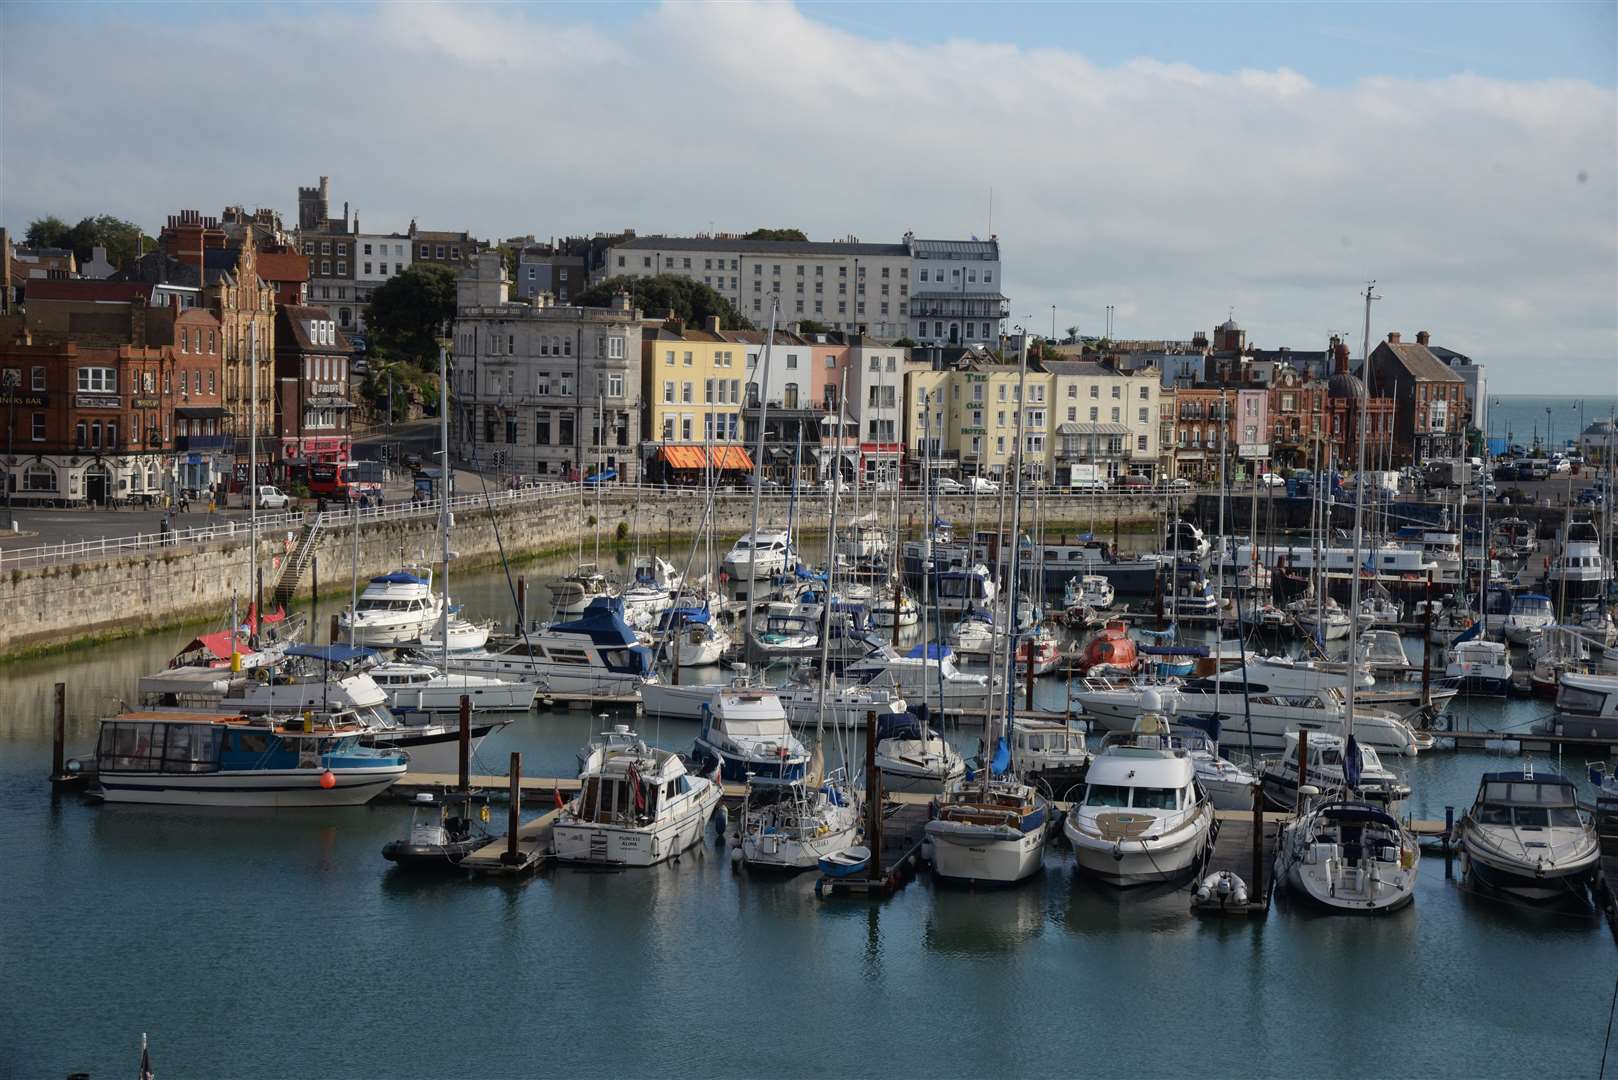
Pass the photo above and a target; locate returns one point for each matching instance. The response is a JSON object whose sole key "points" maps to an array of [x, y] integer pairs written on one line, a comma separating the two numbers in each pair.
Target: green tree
{"points": [[122, 239], [906, 343], [810, 326], [776, 234], [690, 301], [410, 312]]}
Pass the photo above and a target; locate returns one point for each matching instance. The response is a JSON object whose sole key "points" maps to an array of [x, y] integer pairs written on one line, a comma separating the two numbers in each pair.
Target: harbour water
{"points": [[273, 944]]}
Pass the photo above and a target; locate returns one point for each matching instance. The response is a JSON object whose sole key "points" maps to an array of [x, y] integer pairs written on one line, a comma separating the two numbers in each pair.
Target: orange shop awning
{"points": [[683, 457], [730, 457]]}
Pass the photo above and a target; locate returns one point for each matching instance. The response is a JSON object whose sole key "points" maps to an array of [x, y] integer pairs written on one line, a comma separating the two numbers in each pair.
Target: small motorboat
{"points": [[845, 863], [1527, 836], [440, 838]]}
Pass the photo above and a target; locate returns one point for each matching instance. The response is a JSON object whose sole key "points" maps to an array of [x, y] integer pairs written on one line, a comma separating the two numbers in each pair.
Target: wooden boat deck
{"points": [[533, 847]]}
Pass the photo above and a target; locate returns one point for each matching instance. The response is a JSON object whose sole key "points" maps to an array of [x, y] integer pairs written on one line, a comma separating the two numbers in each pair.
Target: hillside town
{"points": [[151, 379]]}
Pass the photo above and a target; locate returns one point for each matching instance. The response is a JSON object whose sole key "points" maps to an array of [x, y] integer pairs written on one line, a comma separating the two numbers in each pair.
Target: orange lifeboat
{"points": [[1111, 652]]}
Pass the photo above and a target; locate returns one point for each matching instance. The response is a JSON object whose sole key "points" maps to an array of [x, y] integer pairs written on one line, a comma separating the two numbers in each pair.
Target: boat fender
{"points": [[328, 780], [721, 819], [927, 851], [735, 856]]}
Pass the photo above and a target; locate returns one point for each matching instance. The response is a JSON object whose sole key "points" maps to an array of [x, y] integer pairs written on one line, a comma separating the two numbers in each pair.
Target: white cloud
{"points": [[1171, 191]]}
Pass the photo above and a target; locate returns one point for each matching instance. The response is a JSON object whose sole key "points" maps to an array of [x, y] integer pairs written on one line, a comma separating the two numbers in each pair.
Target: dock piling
{"points": [[333, 634], [1257, 886], [1449, 826], [59, 732], [513, 811], [465, 749], [1303, 764], [522, 603], [873, 798]]}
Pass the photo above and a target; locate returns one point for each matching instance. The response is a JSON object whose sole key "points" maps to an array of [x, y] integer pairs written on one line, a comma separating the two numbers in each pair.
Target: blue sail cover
{"points": [[399, 577], [1210, 724], [603, 622], [906, 725], [681, 616], [932, 650], [336, 653], [1002, 757], [1351, 762], [1469, 634]]}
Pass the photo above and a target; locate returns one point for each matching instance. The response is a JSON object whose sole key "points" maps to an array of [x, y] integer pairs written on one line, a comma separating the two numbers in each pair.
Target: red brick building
{"points": [[312, 404]]}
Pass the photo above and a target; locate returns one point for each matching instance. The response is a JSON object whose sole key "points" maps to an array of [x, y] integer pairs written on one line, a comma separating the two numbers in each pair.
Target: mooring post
{"points": [[59, 733], [1449, 826], [1303, 763], [514, 810], [1258, 841], [335, 629], [465, 748], [873, 798], [522, 603]]}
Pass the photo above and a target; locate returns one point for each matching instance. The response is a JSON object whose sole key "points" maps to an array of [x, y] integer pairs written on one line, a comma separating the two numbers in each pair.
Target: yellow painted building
{"points": [[693, 384], [974, 417]]}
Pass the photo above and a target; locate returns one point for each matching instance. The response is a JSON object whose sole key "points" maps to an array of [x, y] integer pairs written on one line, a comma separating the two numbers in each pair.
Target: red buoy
{"points": [[327, 780]]}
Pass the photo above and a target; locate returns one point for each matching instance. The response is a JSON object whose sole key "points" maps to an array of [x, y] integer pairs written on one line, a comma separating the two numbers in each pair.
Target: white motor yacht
{"points": [[745, 731], [960, 590], [1348, 855], [1144, 817], [912, 756], [419, 690], [1525, 835], [925, 673], [1479, 667], [1089, 591], [395, 609], [1228, 785], [1580, 571], [637, 806], [764, 556], [1531, 614], [464, 636], [596, 653], [1050, 755]]}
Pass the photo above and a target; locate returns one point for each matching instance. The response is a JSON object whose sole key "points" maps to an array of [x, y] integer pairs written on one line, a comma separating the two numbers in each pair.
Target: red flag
{"points": [[634, 782], [557, 793]]}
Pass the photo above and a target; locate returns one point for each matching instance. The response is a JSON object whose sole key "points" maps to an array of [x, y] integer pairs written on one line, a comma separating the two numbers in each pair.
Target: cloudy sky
{"points": [[1178, 162]]}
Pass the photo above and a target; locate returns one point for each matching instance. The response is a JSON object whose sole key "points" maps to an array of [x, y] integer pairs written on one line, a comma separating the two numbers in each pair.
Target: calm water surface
{"points": [[263, 944]]}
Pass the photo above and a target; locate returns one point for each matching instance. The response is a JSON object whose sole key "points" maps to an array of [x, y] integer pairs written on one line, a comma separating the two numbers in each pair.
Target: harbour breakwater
{"points": [[98, 597]]}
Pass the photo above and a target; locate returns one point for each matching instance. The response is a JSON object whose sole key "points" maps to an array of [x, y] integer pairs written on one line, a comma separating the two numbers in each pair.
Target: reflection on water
{"points": [[963, 921]]}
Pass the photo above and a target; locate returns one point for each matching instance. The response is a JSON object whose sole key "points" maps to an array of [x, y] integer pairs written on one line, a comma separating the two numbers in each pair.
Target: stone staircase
{"points": [[292, 573]]}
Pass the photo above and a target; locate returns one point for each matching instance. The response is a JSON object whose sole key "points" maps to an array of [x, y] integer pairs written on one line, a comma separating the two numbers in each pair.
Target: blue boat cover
{"points": [[337, 653], [931, 650], [681, 616], [806, 574], [399, 577], [1002, 757], [603, 622], [1468, 634], [1172, 650], [1351, 762]]}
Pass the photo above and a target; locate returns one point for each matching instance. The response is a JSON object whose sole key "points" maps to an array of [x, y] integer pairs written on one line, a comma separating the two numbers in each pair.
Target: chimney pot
{"points": [[1393, 337], [712, 323], [1423, 337]]}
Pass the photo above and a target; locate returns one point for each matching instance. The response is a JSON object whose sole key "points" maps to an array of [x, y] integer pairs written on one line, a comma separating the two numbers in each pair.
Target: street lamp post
{"points": [[13, 385], [1549, 446]]}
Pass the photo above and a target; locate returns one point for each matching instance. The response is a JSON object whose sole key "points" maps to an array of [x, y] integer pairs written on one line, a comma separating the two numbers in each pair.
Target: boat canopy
{"points": [[335, 653], [1357, 811], [603, 621], [931, 650], [399, 577], [681, 616]]}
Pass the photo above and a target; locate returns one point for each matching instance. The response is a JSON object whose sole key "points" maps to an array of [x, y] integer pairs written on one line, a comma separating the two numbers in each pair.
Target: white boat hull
{"points": [[975, 854], [783, 851], [1140, 862], [274, 788], [1335, 885]]}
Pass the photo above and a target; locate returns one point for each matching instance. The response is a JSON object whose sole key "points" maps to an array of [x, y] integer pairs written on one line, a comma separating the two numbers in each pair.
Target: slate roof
{"points": [[295, 319], [1419, 361], [158, 268]]}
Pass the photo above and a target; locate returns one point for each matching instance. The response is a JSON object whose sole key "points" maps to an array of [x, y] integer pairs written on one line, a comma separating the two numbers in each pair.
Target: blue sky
{"points": [[1174, 161]]}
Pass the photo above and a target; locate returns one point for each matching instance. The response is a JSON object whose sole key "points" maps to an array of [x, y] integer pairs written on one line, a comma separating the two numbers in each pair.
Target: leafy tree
{"points": [[1072, 335], [906, 343], [691, 301], [776, 234], [122, 239], [410, 312], [810, 326]]}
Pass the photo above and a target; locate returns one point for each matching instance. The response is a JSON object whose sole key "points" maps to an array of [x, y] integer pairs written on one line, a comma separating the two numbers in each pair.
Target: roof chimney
{"points": [[1393, 337], [711, 324], [1423, 337]]}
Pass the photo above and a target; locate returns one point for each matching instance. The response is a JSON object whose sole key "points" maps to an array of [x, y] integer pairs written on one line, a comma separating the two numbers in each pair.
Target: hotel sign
{"points": [[145, 403], [97, 401]]}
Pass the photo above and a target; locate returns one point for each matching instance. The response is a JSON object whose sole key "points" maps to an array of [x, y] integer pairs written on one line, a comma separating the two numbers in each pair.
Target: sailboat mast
{"points": [[762, 371], [1011, 577], [1359, 508], [1224, 487], [252, 466], [826, 594], [443, 499]]}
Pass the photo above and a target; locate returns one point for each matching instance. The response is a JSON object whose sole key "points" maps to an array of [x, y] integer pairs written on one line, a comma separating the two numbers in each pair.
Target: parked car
{"points": [[272, 498], [1272, 480], [948, 485], [1179, 483], [983, 485], [1590, 495], [1134, 482]]}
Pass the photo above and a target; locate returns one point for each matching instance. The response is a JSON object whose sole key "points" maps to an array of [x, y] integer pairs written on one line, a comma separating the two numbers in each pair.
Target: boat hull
{"points": [[1140, 862], [434, 749], [1526, 882], [273, 788], [793, 854], [978, 855]]}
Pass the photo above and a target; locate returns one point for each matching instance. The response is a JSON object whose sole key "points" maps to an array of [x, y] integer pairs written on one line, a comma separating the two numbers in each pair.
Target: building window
{"points": [[37, 378], [668, 391], [1143, 414], [98, 380], [38, 435], [424, 252], [325, 266]]}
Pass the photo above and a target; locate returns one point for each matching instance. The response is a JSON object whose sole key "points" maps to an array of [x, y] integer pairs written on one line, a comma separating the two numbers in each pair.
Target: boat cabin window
{"points": [[1579, 700], [147, 747], [1527, 792], [1106, 795], [568, 656], [1157, 798], [252, 742]]}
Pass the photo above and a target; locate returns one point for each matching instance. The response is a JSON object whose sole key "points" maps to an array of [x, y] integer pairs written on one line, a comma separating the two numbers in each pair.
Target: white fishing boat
{"points": [[637, 806], [913, 757], [1531, 615], [1348, 855], [1324, 770], [572, 594], [395, 609], [1089, 591], [1526, 835], [208, 759], [1144, 817], [595, 654]]}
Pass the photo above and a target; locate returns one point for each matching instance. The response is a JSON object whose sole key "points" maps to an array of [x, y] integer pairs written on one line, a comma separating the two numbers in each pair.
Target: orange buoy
{"points": [[327, 780]]}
